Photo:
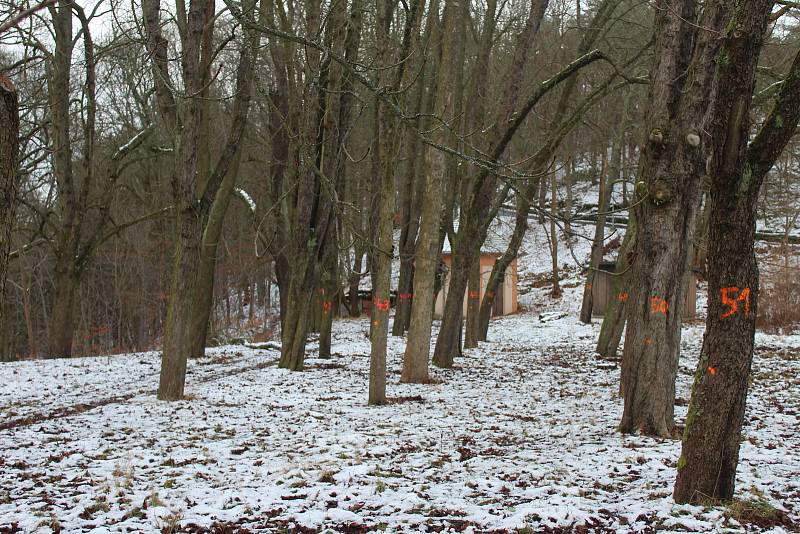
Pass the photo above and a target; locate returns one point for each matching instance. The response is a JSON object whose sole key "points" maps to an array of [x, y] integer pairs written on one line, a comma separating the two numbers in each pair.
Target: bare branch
{"points": [[24, 14]]}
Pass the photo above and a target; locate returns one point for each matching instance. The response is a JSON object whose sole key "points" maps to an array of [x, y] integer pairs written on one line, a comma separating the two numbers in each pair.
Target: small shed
{"points": [[506, 298], [603, 285]]}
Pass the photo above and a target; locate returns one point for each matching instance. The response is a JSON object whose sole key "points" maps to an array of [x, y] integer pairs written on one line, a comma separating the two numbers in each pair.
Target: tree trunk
{"points": [[405, 285], [58, 87], [617, 306], [9, 154], [569, 173], [204, 289], [556, 291], [473, 304], [428, 252], [382, 247], [192, 196], [700, 248], [671, 166], [62, 326], [475, 117], [500, 267], [295, 328], [542, 203], [355, 277], [188, 230], [382, 269], [713, 431], [448, 344], [329, 298], [188, 236], [414, 180], [597, 243], [336, 105], [414, 183]]}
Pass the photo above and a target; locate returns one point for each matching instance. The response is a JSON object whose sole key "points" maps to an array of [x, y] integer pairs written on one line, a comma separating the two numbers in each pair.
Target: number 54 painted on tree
{"points": [[731, 300]]}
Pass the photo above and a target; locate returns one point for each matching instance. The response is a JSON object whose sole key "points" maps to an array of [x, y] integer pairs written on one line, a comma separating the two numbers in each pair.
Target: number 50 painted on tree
{"points": [[731, 300]]}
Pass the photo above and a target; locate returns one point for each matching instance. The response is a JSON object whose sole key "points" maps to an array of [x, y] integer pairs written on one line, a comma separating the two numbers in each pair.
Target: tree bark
{"points": [[188, 225], [414, 181], [615, 313], [188, 234], [713, 431], [556, 291], [335, 102], [193, 196], [597, 243], [207, 262], [700, 248], [328, 298], [58, 86], [473, 304], [62, 326], [427, 257], [448, 344], [503, 262], [413, 178], [355, 278], [295, 328], [667, 194], [9, 185], [383, 192]]}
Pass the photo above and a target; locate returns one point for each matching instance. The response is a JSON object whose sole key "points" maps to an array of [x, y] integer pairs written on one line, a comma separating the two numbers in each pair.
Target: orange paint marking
{"points": [[744, 296], [658, 305], [382, 304], [729, 298], [648, 341], [589, 286], [712, 370], [623, 297], [327, 306]]}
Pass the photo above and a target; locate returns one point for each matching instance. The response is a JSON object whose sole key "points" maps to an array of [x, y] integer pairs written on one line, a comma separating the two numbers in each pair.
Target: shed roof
{"points": [[497, 238]]}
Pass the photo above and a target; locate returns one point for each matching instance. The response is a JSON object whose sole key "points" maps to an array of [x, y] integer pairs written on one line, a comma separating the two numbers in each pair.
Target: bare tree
{"points": [[667, 199], [426, 262], [713, 432], [193, 196], [9, 156]]}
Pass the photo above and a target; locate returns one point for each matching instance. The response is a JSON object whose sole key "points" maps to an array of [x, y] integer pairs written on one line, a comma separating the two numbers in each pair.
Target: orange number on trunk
{"points": [[744, 296], [731, 300], [658, 305]]}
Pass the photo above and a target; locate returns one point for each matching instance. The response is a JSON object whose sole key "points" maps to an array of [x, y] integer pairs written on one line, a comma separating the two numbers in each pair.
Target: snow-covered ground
{"points": [[518, 437], [520, 434]]}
